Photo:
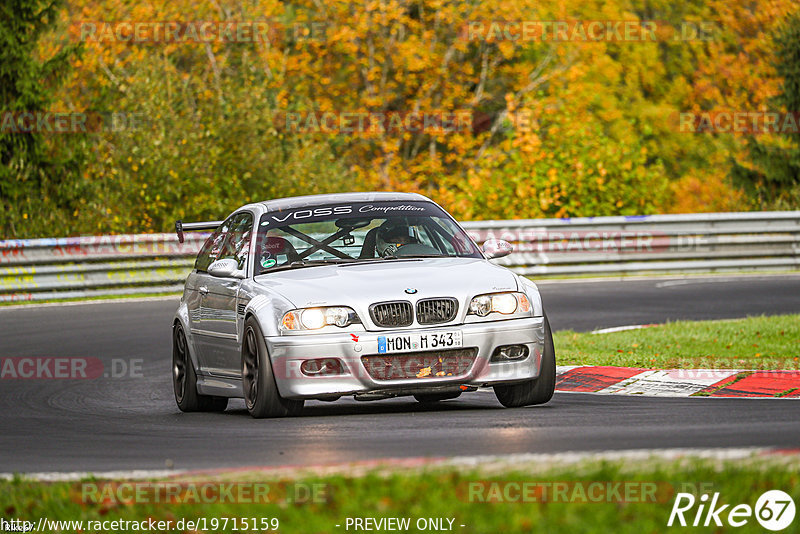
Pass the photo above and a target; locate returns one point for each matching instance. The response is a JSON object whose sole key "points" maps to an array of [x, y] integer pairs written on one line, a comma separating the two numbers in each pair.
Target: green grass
{"points": [[752, 343], [445, 493]]}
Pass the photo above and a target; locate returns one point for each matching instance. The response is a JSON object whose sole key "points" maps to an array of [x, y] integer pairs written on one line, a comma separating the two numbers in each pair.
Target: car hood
{"points": [[360, 284]]}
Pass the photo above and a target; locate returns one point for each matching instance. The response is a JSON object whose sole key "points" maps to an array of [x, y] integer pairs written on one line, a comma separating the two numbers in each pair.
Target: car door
{"points": [[220, 321], [197, 293]]}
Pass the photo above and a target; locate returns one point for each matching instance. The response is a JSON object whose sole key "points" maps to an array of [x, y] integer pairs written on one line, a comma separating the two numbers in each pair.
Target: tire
{"points": [[258, 382], [426, 398], [538, 390], [184, 379]]}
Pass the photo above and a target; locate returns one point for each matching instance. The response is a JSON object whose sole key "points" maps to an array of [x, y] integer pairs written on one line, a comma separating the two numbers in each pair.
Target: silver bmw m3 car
{"points": [[374, 295]]}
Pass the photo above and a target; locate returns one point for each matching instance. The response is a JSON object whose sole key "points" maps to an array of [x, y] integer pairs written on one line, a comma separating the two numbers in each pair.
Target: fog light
{"points": [[322, 367], [510, 353]]}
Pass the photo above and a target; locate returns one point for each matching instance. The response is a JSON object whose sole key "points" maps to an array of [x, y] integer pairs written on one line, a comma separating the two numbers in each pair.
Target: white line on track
{"points": [[621, 328]]}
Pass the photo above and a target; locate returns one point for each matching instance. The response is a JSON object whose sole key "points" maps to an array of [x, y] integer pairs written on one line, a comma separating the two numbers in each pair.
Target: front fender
{"points": [[532, 290], [267, 307]]}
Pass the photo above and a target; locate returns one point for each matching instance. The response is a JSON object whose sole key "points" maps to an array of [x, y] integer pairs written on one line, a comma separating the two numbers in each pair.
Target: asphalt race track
{"points": [[133, 423]]}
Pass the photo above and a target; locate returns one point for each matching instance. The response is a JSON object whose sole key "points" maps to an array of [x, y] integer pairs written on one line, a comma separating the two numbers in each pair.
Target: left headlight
{"points": [[316, 318], [503, 303]]}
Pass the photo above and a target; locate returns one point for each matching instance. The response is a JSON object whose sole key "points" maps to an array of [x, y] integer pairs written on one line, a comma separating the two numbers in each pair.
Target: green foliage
{"points": [[31, 168], [188, 152]]}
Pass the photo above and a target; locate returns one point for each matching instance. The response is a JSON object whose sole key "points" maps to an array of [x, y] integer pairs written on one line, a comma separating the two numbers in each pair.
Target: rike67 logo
{"points": [[774, 510]]}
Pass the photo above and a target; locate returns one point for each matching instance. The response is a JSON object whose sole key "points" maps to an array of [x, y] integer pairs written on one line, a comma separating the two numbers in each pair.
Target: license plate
{"points": [[394, 343]]}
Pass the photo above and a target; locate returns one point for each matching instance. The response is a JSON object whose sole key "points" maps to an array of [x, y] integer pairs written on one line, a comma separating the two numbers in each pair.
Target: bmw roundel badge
{"points": [[411, 290]]}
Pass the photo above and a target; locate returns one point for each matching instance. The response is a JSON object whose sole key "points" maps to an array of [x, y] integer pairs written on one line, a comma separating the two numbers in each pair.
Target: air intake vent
{"points": [[436, 311], [391, 314], [427, 365], [240, 307]]}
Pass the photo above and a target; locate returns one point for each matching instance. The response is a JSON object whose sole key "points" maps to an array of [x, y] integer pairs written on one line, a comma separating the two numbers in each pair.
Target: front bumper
{"points": [[289, 352]]}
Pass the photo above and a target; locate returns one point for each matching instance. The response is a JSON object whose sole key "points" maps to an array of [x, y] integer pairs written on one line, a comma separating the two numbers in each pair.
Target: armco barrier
{"points": [[708, 242], [39, 269]]}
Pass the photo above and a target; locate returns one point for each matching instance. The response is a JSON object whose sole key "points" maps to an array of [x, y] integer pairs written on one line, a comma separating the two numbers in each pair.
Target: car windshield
{"points": [[361, 231]]}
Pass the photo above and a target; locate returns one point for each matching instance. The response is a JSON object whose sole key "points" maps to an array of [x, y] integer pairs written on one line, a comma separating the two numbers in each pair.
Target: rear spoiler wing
{"points": [[181, 227]]}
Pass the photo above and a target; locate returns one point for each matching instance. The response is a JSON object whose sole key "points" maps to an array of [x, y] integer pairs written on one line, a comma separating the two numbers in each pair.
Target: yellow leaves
{"points": [[507, 48]]}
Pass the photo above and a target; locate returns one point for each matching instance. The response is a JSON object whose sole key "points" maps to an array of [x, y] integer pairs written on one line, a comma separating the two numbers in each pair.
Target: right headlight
{"points": [[316, 318], [502, 303]]}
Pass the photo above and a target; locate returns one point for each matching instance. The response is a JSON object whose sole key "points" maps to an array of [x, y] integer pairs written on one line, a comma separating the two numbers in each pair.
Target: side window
{"points": [[237, 243], [211, 247]]}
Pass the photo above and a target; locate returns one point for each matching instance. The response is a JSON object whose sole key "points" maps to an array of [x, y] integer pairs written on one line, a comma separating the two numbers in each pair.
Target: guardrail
{"points": [[40, 269]]}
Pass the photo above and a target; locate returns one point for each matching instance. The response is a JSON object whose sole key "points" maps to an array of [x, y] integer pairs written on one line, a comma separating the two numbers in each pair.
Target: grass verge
{"points": [[642, 501], [752, 343]]}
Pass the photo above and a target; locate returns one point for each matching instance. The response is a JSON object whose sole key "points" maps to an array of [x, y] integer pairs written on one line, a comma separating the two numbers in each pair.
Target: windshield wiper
{"points": [[326, 261], [321, 262], [424, 256], [299, 264], [411, 256]]}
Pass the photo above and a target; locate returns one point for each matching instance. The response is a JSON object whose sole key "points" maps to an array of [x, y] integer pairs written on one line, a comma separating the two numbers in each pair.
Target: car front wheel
{"points": [[258, 382], [538, 390]]}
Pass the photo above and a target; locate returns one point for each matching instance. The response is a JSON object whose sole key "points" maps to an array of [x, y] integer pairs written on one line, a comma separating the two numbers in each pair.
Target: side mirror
{"points": [[227, 268], [496, 248]]}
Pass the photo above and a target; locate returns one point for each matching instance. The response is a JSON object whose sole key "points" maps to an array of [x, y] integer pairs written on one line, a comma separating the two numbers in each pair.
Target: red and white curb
{"points": [[678, 382]]}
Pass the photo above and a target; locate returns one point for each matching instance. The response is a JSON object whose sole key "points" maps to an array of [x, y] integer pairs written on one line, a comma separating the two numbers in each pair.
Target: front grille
{"points": [[450, 363], [390, 314], [436, 311]]}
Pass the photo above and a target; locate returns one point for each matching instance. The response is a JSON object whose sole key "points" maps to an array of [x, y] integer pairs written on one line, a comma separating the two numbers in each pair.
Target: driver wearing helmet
{"points": [[389, 238]]}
